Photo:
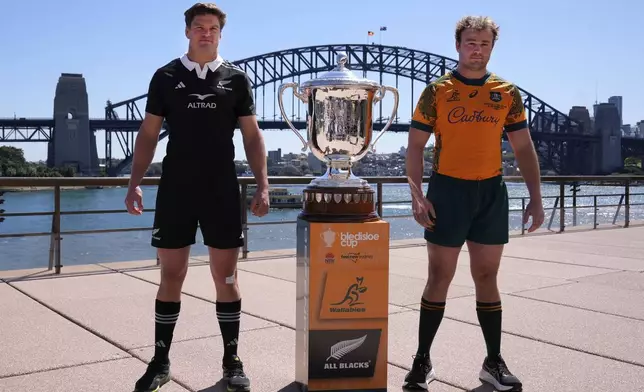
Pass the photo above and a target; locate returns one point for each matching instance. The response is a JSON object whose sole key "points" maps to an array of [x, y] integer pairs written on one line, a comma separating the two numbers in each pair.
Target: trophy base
{"points": [[339, 204]]}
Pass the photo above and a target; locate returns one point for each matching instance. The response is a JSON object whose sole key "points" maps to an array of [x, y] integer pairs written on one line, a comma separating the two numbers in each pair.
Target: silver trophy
{"points": [[339, 121]]}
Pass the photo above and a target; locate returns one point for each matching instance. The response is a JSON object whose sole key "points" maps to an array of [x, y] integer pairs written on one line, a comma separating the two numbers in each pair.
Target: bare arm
{"points": [[148, 136], [253, 140], [422, 126], [415, 160], [516, 127], [255, 149], [145, 147]]}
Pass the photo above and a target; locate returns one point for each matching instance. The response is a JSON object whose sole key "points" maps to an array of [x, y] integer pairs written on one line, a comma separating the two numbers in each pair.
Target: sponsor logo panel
{"points": [[343, 353]]}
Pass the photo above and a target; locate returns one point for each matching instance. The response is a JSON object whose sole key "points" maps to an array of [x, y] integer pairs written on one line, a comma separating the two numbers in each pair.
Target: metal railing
{"points": [[57, 183]]}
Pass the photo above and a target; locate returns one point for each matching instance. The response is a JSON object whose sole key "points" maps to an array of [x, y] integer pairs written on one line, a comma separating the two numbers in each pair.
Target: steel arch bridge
{"points": [[558, 138]]}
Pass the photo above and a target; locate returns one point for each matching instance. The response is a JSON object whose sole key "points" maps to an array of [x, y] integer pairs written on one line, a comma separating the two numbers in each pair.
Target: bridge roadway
{"points": [[573, 306], [40, 129]]}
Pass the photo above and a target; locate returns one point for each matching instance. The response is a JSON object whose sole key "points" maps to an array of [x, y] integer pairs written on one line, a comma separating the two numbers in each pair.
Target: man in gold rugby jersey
{"points": [[468, 110]]}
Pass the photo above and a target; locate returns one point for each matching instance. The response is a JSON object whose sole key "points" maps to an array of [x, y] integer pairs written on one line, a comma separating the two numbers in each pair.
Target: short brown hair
{"points": [[205, 9], [476, 23]]}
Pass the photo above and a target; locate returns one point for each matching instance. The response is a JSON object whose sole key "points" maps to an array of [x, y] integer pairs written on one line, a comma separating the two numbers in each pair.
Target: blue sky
{"points": [[564, 52]]}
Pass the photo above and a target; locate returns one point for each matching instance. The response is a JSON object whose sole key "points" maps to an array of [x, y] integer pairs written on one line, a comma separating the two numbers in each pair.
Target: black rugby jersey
{"points": [[201, 113]]}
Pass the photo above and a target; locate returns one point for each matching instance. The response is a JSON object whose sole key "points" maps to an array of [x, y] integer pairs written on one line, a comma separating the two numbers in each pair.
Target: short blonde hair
{"points": [[478, 23]]}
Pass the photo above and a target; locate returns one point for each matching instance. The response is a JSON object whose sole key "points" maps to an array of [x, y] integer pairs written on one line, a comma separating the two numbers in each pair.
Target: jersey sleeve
{"points": [[516, 118], [156, 103], [245, 105], [424, 117]]}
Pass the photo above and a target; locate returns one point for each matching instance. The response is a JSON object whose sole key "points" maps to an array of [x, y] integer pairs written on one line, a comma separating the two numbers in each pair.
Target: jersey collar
{"points": [[471, 82], [201, 73]]}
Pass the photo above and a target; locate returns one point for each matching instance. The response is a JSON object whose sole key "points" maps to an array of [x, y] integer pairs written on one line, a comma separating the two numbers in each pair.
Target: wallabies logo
{"points": [[352, 296]]}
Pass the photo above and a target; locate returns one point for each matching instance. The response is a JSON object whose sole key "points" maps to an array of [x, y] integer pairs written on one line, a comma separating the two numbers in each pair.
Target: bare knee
{"points": [[484, 266], [174, 268], [442, 267], [174, 264], [174, 274], [442, 263], [223, 265], [223, 268], [483, 276]]}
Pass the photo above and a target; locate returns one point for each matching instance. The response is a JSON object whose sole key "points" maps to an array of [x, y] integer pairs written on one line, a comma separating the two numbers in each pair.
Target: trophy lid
{"points": [[340, 76]]}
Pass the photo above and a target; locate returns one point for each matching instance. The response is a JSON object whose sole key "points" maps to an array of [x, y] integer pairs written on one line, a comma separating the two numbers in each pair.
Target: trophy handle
{"points": [[377, 99], [280, 101]]}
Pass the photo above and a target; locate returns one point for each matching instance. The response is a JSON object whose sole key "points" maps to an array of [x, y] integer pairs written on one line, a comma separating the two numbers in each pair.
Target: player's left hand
{"points": [[260, 203], [534, 209]]}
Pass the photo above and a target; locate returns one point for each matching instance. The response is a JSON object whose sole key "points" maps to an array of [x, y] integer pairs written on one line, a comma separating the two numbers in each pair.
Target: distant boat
{"points": [[278, 197]]}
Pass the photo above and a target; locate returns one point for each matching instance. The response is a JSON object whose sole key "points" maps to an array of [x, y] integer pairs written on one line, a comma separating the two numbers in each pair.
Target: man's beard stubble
{"points": [[475, 66]]}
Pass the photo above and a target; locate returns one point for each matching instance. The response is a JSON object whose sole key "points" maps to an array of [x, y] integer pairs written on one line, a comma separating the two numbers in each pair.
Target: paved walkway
{"points": [[573, 307]]}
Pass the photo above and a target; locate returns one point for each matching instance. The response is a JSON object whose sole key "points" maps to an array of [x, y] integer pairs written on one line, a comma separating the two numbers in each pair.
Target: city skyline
{"points": [[107, 64], [283, 135]]}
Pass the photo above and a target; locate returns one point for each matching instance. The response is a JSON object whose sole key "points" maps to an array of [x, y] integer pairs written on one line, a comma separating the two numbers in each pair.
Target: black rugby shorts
{"points": [[181, 208]]}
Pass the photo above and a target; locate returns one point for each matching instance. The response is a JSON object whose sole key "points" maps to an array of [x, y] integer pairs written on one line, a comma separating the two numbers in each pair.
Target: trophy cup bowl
{"points": [[339, 129]]}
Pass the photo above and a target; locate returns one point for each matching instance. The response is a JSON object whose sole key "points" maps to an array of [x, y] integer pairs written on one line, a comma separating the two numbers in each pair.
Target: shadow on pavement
{"points": [[221, 387], [483, 388]]}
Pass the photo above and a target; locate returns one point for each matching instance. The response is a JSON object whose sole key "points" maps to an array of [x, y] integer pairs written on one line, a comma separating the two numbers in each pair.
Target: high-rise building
{"points": [[275, 155], [581, 114], [627, 130], [315, 165], [617, 101], [608, 127]]}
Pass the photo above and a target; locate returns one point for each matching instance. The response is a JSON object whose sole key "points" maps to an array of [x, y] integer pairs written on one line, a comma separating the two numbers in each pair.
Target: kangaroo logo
{"points": [[352, 296]]}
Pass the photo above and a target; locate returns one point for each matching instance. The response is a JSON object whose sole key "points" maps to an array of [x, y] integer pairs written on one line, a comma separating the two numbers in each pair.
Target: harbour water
{"points": [[33, 252]]}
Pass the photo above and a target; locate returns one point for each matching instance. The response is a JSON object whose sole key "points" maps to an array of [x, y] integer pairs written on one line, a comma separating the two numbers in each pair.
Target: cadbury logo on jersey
{"points": [[459, 115]]}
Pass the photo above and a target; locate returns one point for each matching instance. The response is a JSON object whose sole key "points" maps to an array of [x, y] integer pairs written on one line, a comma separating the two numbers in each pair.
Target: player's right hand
{"points": [[134, 201], [424, 212]]}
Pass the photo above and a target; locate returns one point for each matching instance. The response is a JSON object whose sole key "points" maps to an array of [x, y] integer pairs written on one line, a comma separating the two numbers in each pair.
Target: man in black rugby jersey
{"points": [[202, 98]]}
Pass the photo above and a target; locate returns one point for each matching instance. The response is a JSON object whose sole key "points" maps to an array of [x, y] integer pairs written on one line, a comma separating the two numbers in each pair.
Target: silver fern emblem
{"points": [[344, 347]]}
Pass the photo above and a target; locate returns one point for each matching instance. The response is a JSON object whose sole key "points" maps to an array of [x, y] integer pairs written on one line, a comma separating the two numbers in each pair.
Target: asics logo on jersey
{"points": [[202, 105]]}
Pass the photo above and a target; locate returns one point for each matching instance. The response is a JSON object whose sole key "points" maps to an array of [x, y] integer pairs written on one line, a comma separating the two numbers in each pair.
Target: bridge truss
{"points": [[633, 147], [557, 136], [26, 130], [560, 140]]}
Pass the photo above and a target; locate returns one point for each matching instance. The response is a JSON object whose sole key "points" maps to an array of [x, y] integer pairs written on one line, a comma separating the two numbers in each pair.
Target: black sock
{"points": [[489, 315], [431, 315], [166, 315], [228, 314]]}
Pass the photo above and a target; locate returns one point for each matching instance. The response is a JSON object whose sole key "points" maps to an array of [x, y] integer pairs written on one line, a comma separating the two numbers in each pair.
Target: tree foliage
{"points": [[14, 164]]}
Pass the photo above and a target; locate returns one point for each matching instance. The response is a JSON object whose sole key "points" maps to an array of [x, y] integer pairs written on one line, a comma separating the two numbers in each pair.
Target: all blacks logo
{"points": [[343, 353]]}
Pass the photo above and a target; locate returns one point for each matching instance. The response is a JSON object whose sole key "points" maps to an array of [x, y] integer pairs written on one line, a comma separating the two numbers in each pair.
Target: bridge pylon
{"points": [[72, 142]]}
